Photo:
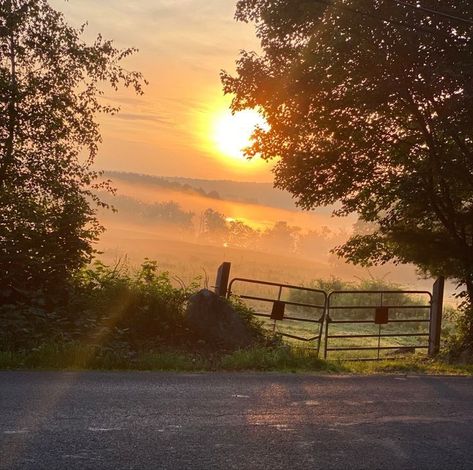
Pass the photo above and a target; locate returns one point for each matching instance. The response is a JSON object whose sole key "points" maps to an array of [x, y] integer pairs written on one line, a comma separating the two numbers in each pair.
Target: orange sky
{"points": [[183, 46]]}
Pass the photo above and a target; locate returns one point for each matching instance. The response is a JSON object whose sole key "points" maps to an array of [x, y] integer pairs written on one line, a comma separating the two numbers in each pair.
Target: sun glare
{"points": [[232, 132]]}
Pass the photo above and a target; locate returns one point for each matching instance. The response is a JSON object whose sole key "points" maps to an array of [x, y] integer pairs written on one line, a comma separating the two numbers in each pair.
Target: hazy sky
{"points": [[183, 46]]}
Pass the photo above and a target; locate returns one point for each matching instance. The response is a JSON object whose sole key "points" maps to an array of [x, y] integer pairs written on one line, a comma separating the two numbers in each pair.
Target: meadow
{"points": [[119, 318], [294, 253], [125, 311]]}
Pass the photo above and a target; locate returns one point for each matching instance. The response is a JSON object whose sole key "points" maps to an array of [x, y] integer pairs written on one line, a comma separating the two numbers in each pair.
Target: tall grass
{"points": [[117, 318], [80, 357]]}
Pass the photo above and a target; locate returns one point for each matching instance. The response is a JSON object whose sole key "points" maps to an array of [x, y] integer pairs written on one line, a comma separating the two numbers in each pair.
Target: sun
{"points": [[232, 132]]}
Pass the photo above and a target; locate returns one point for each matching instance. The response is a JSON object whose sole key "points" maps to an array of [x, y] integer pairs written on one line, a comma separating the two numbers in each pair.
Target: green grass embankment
{"points": [[73, 356]]}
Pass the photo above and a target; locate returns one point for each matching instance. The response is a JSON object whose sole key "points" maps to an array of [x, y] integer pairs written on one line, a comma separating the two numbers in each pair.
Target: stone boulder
{"points": [[214, 320]]}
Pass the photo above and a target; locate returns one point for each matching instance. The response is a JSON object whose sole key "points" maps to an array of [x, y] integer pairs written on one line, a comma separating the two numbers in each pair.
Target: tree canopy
{"points": [[370, 104], [51, 88]]}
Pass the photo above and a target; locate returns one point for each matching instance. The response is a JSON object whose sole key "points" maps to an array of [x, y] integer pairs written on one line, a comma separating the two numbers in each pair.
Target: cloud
{"points": [[154, 118], [183, 45]]}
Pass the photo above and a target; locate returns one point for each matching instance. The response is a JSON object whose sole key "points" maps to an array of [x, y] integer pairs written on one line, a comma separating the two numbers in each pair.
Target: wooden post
{"points": [[436, 316], [223, 276]]}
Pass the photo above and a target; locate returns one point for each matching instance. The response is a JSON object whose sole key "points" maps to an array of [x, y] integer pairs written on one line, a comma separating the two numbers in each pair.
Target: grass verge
{"points": [[75, 356]]}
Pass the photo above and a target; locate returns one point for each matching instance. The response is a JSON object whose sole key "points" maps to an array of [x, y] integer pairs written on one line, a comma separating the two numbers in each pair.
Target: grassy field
{"points": [[310, 331], [396, 334]]}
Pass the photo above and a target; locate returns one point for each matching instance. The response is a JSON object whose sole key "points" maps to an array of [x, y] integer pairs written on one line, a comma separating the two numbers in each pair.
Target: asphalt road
{"points": [[242, 421]]}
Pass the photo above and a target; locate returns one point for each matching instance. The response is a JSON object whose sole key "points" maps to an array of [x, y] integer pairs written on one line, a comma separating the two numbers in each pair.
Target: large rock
{"points": [[214, 320]]}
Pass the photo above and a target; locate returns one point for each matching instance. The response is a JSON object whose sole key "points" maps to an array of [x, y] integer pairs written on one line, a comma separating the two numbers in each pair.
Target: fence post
{"points": [[436, 316], [223, 276]]}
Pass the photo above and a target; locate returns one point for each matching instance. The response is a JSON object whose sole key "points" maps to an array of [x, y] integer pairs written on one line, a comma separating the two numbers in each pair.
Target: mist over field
{"points": [[190, 226]]}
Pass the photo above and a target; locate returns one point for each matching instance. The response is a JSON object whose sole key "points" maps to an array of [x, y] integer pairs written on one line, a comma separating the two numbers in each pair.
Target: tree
{"points": [[242, 235], [317, 244], [51, 84], [281, 237], [370, 103], [214, 226]]}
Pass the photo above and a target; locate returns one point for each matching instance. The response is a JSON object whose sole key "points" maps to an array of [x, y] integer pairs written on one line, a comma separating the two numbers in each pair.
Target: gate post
{"points": [[223, 276], [436, 316]]}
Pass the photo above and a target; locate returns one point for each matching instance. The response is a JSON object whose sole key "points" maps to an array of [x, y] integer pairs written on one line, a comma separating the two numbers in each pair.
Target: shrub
{"points": [[107, 306], [459, 344], [116, 310]]}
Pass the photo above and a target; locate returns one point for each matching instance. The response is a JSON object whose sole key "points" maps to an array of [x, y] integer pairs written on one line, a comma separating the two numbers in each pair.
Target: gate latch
{"points": [[381, 316], [278, 310]]}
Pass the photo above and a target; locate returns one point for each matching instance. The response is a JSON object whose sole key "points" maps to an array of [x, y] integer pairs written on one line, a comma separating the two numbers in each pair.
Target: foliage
{"points": [[106, 306], [279, 358], [261, 336], [134, 308], [241, 235], [51, 83], [364, 299], [335, 284], [370, 104], [413, 365], [115, 309], [214, 226], [118, 318], [166, 213], [161, 182], [77, 356], [281, 237], [456, 328]]}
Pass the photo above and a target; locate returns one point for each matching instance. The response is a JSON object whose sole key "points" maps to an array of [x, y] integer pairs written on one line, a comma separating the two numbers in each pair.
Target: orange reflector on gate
{"points": [[277, 312], [381, 316]]}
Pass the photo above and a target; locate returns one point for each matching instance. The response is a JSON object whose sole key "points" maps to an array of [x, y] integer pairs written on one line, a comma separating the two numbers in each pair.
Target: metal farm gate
{"points": [[348, 325], [294, 312], [375, 324]]}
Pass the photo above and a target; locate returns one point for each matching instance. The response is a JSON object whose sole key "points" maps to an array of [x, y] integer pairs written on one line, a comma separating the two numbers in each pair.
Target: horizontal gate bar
{"points": [[267, 315], [395, 292], [373, 323], [375, 348], [370, 359], [326, 307], [276, 284], [299, 337], [359, 307], [297, 304], [390, 335]]}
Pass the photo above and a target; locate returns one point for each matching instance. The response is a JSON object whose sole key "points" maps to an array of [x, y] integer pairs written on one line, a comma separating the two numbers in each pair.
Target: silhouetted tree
{"points": [[214, 226], [319, 243], [281, 237], [242, 235], [51, 82], [370, 103]]}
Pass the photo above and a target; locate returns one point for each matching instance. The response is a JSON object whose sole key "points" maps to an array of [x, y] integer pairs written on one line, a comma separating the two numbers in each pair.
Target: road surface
{"points": [[110, 420]]}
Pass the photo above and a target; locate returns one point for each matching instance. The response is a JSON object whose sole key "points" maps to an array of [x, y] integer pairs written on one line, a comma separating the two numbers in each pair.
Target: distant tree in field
{"points": [[281, 237], [51, 85], [242, 235], [214, 226], [370, 103], [214, 195], [163, 213], [319, 243], [168, 212]]}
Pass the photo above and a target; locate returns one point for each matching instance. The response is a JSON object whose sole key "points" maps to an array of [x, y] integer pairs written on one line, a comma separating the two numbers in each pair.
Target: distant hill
{"points": [[161, 182], [247, 192], [254, 193]]}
